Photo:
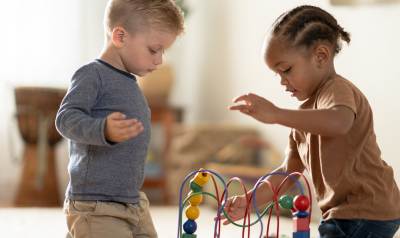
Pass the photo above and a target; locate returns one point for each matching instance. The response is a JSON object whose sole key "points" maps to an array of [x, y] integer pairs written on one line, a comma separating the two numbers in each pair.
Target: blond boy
{"points": [[106, 118]]}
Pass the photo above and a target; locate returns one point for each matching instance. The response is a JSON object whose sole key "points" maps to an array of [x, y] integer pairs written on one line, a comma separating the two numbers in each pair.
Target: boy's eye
{"points": [[286, 71]]}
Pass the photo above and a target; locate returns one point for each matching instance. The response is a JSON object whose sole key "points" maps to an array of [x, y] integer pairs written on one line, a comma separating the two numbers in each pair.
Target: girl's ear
{"points": [[322, 55], [118, 37]]}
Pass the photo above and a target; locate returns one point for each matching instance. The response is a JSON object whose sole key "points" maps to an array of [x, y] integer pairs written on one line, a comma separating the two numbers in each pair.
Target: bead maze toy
{"points": [[297, 205]]}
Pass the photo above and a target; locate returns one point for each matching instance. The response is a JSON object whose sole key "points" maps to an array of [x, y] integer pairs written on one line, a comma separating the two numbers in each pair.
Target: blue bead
{"points": [[301, 214], [301, 234], [190, 226]]}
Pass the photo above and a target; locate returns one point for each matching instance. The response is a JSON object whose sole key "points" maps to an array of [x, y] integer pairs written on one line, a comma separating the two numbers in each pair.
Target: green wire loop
{"points": [[226, 215]]}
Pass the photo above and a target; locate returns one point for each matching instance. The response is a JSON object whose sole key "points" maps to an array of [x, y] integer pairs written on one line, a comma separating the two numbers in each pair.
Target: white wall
{"points": [[218, 59]]}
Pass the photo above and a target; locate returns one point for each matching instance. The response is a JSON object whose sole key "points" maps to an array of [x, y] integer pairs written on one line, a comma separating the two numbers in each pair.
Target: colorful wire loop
{"points": [[252, 197]]}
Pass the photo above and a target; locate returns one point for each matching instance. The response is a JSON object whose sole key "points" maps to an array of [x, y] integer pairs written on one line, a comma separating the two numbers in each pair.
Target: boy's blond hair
{"points": [[134, 15]]}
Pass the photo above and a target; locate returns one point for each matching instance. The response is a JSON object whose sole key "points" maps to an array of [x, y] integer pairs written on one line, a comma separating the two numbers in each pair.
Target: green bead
{"points": [[184, 235], [286, 202], [195, 187]]}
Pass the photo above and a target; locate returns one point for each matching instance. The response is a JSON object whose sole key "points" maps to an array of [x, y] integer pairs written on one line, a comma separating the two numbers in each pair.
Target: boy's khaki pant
{"points": [[95, 219]]}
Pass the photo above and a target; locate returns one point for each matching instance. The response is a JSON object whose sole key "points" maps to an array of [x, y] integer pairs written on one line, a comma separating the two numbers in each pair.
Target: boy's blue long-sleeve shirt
{"points": [[101, 170]]}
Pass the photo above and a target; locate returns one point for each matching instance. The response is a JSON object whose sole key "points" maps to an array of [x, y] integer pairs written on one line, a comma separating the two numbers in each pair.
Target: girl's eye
{"points": [[287, 71], [152, 51]]}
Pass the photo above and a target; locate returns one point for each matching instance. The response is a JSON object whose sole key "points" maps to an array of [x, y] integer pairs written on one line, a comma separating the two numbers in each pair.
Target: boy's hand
{"points": [[117, 129], [257, 107], [235, 207]]}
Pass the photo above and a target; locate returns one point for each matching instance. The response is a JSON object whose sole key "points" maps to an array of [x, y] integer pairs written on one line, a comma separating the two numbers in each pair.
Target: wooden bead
{"points": [[301, 202], [190, 226], [192, 212], [196, 199]]}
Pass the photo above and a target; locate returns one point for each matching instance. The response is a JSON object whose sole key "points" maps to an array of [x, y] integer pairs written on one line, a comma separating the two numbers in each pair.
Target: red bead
{"points": [[301, 202]]}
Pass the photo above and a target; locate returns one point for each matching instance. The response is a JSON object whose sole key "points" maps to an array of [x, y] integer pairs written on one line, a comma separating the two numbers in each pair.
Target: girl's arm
{"points": [[325, 122]]}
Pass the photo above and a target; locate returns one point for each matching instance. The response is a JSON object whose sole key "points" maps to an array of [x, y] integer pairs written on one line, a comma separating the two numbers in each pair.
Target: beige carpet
{"points": [[50, 223]]}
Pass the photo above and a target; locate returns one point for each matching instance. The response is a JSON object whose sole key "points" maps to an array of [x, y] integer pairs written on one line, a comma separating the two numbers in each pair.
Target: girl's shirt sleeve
{"points": [[337, 93]]}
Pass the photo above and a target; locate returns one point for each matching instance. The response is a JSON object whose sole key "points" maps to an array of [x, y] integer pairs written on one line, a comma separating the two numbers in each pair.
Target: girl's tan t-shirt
{"points": [[351, 180]]}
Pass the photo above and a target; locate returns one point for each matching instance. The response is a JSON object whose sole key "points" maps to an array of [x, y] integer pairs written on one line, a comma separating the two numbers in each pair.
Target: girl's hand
{"points": [[235, 207], [117, 129], [257, 107]]}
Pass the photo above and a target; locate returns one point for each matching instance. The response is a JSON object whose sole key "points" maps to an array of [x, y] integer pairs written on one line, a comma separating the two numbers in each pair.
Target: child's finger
{"points": [[239, 98], [239, 107], [127, 136], [227, 204], [117, 116], [137, 129], [245, 97], [127, 123], [226, 208], [133, 130], [235, 204], [222, 217], [122, 124], [135, 133], [227, 222]]}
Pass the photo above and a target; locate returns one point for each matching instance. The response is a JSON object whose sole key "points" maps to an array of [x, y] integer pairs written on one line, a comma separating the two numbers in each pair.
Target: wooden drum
{"points": [[36, 111]]}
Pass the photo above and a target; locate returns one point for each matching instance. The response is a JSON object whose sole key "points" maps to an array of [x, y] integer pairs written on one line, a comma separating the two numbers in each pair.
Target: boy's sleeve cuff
{"points": [[103, 136]]}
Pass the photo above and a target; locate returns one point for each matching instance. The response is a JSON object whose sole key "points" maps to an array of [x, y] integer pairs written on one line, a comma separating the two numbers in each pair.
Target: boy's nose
{"points": [[158, 60]]}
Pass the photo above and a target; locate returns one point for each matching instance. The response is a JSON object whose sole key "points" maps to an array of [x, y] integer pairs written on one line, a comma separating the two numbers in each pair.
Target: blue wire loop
{"points": [[180, 199], [258, 184], [226, 197]]}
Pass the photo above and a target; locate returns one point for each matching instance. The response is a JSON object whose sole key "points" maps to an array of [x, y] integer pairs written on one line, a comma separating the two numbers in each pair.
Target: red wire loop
{"points": [[247, 212], [270, 211], [309, 191], [216, 191]]}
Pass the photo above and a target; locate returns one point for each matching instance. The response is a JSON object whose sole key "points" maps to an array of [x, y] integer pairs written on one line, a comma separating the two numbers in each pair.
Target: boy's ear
{"points": [[322, 55], [118, 36]]}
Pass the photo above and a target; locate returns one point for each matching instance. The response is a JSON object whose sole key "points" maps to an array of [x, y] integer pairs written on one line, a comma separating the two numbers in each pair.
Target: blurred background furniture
{"points": [[156, 168], [222, 147], [156, 87], [36, 111]]}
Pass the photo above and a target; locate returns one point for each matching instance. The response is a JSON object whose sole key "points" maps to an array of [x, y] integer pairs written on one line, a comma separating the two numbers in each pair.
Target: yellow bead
{"points": [[201, 178], [192, 212], [196, 199]]}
